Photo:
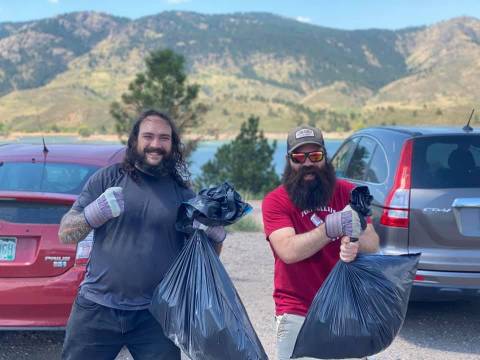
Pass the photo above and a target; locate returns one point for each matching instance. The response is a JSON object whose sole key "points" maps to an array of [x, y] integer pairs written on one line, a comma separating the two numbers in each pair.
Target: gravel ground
{"points": [[447, 331]]}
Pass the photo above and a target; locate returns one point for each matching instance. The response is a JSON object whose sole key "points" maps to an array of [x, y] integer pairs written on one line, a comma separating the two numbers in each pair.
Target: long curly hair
{"points": [[175, 162]]}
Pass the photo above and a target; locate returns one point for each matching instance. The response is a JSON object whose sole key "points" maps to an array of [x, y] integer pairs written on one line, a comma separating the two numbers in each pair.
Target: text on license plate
{"points": [[8, 246]]}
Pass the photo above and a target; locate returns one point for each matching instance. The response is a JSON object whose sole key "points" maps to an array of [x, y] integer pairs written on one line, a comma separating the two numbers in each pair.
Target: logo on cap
{"points": [[304, 133]]}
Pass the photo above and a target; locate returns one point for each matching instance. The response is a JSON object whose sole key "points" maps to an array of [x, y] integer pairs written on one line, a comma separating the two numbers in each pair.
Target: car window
{"points": [[358, 166], [446, 162], [49, 177], [31, 212], [377, 172], [342, 158]]}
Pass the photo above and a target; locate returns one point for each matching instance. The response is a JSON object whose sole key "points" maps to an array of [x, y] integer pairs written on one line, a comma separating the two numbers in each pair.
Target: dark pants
{"points": [[96, 332]]}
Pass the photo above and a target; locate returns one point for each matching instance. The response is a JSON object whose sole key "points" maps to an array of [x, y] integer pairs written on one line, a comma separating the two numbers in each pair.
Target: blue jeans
{"points": [[288, 326], [96, 332]]}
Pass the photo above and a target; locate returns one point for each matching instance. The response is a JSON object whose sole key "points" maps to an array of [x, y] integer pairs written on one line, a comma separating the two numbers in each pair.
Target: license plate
{"points": [[7, 248]]}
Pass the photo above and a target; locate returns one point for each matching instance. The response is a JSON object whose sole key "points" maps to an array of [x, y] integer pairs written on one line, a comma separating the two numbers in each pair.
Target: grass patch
{"points": [[245, 224]]}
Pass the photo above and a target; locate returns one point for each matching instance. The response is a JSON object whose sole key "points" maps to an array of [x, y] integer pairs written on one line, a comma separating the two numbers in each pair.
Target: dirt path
{"points": [[447, 331]]}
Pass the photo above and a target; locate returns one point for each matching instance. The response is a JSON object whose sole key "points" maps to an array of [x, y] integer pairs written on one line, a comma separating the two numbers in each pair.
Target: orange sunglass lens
{"points": [[298, 158], [316, 156]]}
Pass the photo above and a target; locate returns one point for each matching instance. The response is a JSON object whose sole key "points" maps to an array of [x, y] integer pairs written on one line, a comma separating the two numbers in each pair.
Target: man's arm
{"points": [[73, 227], [292, 248]]}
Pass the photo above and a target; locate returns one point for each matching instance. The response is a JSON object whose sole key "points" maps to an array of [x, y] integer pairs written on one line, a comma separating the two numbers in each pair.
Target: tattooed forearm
{"points": [[73, 228]]}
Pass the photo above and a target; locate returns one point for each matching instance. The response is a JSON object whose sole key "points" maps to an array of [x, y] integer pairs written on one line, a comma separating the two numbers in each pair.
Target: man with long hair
{"points": [[132, 210], [308, 222]]}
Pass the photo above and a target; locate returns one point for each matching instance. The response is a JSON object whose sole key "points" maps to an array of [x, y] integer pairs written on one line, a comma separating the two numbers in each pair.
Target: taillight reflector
{"points": [[397, 204]]}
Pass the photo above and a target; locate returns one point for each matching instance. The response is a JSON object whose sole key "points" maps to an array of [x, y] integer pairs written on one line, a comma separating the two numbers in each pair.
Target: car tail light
{"points": [[397, 204], [84, 248]]}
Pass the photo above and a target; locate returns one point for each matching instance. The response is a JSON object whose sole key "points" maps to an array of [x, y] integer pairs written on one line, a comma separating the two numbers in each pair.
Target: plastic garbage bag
{"points": [[219, 205], [361, 306], [196, 303], [359, 309]]}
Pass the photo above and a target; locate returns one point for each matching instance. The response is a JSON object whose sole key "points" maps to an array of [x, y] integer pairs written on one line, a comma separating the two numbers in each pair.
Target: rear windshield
{"points": [[446, 162], [31, 213], [39, 177]]}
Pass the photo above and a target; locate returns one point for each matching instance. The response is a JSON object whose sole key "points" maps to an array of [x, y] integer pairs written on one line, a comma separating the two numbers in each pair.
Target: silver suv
{"points": [[426, 188]]}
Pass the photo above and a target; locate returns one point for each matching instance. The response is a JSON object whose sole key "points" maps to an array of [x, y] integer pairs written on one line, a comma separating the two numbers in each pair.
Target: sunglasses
{"points": [[301, 157]]}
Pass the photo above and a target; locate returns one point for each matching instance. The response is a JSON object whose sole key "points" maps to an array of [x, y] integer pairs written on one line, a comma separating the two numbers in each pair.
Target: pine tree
{"points": [[246, 162], [163, 86]]}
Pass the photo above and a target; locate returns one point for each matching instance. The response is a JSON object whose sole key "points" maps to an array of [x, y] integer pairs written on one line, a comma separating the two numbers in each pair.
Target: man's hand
{"points": [[216, 233], [348, 250], [343, 223], [107, 206]]}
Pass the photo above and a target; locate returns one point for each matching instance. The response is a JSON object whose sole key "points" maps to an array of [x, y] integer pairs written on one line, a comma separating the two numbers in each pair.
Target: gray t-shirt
{"points": [[132, 253]]}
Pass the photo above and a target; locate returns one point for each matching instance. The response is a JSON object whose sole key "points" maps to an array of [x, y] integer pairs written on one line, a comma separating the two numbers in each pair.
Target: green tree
{"points": [[163, 86], [84, 132], [3, 129], [246, 162]]}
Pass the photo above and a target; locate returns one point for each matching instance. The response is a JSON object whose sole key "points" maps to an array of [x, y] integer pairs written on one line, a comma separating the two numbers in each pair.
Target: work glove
{"points": [[107, 206], [343, 223], [215, 233]]}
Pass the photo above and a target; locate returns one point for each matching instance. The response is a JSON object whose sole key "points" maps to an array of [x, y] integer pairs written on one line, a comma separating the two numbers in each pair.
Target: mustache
{"points": [[297, 177], [309, 170], [159, 151]]}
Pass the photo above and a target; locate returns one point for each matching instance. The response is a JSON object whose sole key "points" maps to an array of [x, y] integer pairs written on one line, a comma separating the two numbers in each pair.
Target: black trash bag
{"points": [[359, 309], [218, 205], [196, 303]]}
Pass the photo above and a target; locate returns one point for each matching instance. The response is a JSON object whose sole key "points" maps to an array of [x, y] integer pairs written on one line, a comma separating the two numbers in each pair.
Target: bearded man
{"points": [[132, 209], [308, 223]]}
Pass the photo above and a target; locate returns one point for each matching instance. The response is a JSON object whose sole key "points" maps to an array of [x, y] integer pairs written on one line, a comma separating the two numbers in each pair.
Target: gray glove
{"points": [[343, 223], [216, 233], [107, 206]]}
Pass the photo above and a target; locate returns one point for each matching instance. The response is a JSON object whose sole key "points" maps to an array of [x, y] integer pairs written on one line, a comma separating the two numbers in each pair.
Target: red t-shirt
{"points": [[295, 285]]}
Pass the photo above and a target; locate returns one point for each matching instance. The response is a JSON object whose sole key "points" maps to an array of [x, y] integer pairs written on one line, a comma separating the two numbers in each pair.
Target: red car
{"points": [[39, 276]]}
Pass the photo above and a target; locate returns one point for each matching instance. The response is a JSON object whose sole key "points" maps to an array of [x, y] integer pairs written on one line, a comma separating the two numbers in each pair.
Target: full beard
{"points": [[310, 194], [165, 167]]}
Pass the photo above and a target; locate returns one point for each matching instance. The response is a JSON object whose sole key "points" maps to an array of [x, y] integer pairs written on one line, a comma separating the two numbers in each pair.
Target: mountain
{"points": [[62, 73], [443, 65]]}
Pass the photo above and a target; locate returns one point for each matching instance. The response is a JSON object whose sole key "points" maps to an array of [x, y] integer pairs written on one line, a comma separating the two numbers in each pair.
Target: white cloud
{"points": [[303, 19], [53, 1], [175, 2]]}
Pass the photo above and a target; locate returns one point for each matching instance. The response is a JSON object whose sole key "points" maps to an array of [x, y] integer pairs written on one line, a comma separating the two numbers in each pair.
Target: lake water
{"points": [[205, 151]]}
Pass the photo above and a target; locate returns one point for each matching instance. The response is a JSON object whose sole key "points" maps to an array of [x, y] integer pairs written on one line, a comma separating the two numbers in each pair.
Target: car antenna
{"points": [[45, 153], [45, 150], [468, 127]]}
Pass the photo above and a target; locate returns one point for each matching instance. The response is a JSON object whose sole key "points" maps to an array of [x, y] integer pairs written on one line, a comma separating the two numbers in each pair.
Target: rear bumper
{"points": [[444, 286], [33, 303]]}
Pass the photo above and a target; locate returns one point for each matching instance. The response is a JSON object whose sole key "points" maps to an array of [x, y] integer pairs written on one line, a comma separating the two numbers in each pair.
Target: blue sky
{"points": [[344, 14]]}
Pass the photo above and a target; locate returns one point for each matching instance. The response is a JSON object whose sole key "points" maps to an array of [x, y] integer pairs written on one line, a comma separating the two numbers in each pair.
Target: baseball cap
{"points": [[302, 135]]}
